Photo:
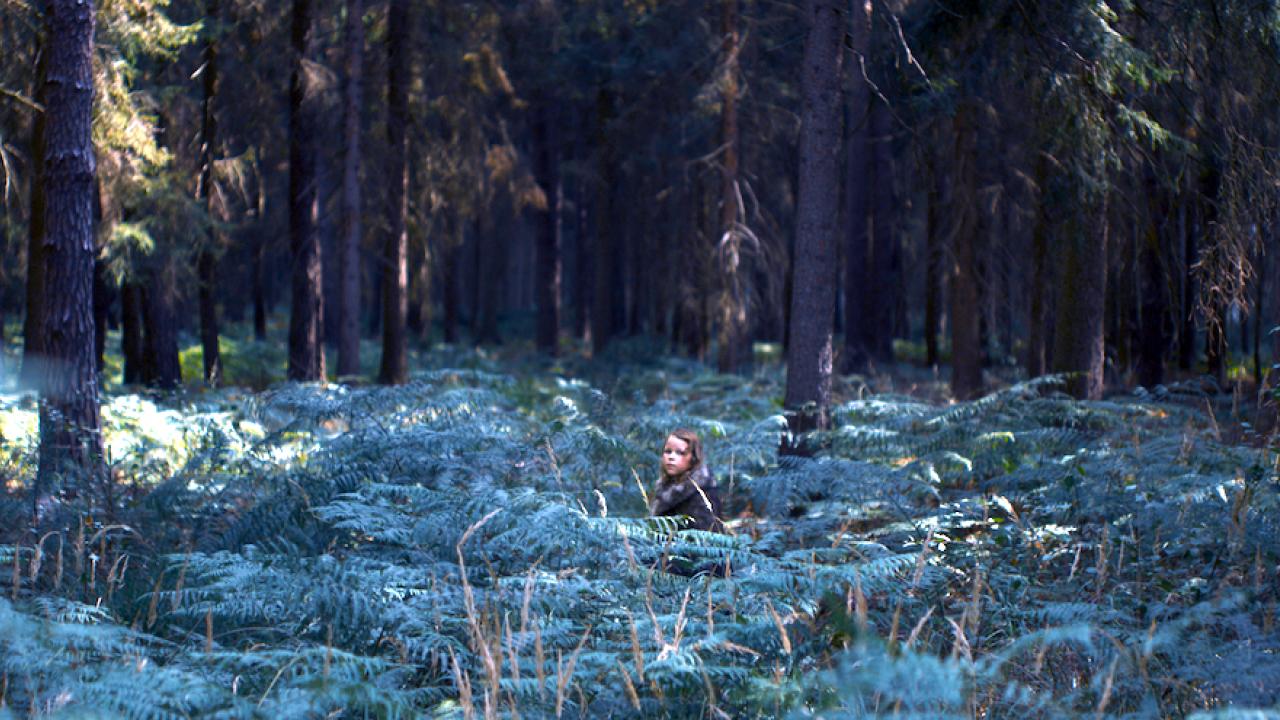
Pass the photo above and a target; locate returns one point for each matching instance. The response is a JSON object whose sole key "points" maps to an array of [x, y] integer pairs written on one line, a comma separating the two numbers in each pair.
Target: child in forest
{"points": [[687, 486]]}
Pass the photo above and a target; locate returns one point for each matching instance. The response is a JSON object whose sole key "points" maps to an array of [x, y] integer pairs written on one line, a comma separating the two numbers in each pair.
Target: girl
{"points": [[687, 486]]}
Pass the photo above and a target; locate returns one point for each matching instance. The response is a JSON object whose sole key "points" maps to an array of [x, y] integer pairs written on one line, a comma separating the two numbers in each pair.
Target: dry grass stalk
{"points": [[463, 683], [782, 628], [915, 631], [629, 686], [565, 673]]}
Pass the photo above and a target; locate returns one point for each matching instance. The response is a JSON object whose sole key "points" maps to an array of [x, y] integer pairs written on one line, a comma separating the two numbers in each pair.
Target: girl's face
{"points": [[676, 457]]}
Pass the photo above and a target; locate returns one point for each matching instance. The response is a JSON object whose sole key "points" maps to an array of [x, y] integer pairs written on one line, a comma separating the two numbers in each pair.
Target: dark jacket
{"points": [[682, 497]]}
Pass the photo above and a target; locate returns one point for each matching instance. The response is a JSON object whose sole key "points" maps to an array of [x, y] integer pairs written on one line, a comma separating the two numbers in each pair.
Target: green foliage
{"points": [[475, 542]]}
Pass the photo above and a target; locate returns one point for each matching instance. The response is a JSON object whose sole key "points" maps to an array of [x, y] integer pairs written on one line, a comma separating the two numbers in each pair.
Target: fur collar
{"points": [[671, 492]]}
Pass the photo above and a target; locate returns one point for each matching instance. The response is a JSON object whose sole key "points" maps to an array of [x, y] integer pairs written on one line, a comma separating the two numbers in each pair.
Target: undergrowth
{"points": [[474, 544]]}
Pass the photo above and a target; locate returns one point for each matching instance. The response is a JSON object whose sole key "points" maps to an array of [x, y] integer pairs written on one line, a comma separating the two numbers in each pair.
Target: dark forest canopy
{"points": [[1069, 186]]}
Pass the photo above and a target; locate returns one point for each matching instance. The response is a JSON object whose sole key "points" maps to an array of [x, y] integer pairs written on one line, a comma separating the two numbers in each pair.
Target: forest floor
{"points": [[475, 544]]}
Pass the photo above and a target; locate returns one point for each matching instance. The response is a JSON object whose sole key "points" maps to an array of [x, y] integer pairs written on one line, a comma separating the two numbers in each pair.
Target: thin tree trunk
{"points": [[206, 260], [131, 341], [306, 316], [605, 283], [880, 282], [809, 356], [395, 270], [1187, 335], [547, 226], [33, 325], [1154, 341], [452, 292], [733, 341], [859, 169], [1036, 354], [933, 259], [966, 350], [1079, 348], [161, 365], [349, 319], [70, 438]]}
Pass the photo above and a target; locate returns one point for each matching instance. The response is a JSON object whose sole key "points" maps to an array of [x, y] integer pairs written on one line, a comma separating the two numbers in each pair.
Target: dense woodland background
{"points": [[343, 335]]}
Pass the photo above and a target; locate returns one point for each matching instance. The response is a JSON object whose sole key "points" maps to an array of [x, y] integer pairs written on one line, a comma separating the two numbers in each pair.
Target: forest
{"points": [[340, 339]]}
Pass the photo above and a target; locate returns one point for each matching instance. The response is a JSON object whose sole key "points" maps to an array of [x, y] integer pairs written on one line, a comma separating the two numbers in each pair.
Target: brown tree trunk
{"points": [[966, 350], [1036, 329], [349, 307], [452, 292], [70, 438], [395, 268], [33, 325], [306, 316], [161, 366], [605, 282], [808, 393], [131, 343], [934, 261], [101, 308], [734, 350], [1190, 253], [881, 283], [547, 226], [206, 260], [1082, 290], [1154, 340]]}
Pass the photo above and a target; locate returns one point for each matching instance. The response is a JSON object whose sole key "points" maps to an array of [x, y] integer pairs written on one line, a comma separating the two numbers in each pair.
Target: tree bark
{"points": [[349, 317], [605, 282], [395, 251], [734, 350], [161, 365], [880, 283], [206, 259], [1036, 330], [306, 316], [1079, 348], [70, 436], [859, 168], [547, 226], [966, 350], [809, 355], [33, 324], [933, 257], [131, 341], [1154, 340]]}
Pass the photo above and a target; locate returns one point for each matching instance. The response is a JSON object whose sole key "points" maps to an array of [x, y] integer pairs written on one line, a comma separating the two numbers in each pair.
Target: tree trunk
{"points": [[1154, 340], [1190, 253], [161, 365], [966, 350], [880, 283], [33, 325], [859, 168], [348, 320], [70, 438], [808, 393], [1082, 290], [605, 282], [933, 260], [734, 350], [452, 299], [1036, 330], [395, 270], [547, 226], [101, 309], [131, 342], [206, 260], [306, 315]]}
